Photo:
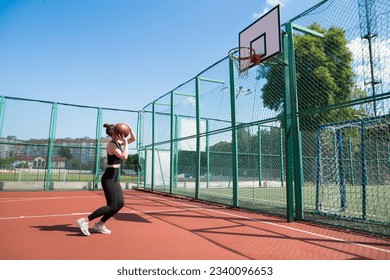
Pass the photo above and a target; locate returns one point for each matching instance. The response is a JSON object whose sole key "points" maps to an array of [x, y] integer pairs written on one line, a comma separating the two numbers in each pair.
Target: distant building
{"points": [[10, 150], [40, 162], [83, 149]]}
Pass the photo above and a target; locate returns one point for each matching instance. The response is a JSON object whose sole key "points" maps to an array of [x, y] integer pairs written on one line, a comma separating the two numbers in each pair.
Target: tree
{"points": [[65, 152], [324, 77], [6, 162], [132, 159]]}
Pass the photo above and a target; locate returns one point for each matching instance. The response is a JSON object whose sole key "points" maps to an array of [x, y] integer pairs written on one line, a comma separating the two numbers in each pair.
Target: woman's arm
{"points": [[132, 137], [113, 149]]}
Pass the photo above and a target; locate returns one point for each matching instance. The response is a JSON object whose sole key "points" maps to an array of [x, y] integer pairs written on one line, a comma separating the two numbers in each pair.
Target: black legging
{"points": [[113, 193]]}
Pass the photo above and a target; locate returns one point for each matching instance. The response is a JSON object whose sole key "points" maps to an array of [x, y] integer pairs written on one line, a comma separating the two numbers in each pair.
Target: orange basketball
{"points": [[122, 128]]}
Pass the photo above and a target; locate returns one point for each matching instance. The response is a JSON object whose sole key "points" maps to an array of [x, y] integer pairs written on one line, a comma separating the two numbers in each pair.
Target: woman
{"points": [[110, 183]]}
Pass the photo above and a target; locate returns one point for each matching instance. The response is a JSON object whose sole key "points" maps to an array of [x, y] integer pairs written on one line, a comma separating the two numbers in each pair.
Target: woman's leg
{"points": [[114, 196], [117, 202], [108, 183]]}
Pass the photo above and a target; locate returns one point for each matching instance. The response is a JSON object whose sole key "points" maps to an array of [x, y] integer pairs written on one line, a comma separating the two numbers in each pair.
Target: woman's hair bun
{"points": [[109, 128]]}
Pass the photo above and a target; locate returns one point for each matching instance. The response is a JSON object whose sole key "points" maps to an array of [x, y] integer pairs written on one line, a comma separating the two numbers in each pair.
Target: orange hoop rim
{"points": [[235, 53]]}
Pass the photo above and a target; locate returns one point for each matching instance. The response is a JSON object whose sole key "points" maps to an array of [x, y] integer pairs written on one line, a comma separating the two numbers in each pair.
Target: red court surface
{"points": [[41, 226]]}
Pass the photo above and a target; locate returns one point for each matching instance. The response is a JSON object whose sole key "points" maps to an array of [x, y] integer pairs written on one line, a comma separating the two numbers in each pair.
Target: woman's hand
{"points": [[121, 138]]}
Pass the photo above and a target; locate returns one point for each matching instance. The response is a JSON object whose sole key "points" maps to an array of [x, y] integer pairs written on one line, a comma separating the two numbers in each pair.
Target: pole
{"points": [[171, 144], [50, 152], [98, 146], [198, 152], [234, 133], [260, 168]]}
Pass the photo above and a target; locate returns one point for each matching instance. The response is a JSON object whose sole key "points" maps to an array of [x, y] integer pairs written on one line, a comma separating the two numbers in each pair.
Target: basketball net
{"points": [[243, 57]]}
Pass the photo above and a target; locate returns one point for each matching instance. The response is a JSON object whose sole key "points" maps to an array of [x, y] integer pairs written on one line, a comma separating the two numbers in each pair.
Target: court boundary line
{"points": [[290, 228], [21, 199], [87, 213]]}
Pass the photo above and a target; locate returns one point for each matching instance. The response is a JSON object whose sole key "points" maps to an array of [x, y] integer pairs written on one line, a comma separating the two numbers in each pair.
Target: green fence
{"points": [[51, 146], [304, 136]]}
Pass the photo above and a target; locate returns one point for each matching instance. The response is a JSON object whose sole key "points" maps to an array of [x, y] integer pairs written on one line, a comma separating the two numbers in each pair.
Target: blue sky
{"points": [[118, 53]]}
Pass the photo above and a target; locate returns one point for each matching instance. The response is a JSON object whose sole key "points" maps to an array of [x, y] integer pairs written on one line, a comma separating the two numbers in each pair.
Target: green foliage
{"points": [[248, 151], [6, 162], [22, 165], [222, 146], [132, 159], [324, 77], [76, 164], [66, 153]]}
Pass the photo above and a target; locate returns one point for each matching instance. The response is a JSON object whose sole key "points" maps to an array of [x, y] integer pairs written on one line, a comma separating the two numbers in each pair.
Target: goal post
{"points": [[353, 168], [330, 181]]}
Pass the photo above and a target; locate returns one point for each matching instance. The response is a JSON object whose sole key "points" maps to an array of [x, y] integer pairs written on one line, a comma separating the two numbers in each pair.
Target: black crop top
{"points": [[113, 159]]}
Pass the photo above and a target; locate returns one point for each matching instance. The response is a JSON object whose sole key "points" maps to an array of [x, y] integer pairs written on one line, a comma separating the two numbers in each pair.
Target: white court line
{"points": [[87, 213], [286, 227], [43, 198], [41, 216]]}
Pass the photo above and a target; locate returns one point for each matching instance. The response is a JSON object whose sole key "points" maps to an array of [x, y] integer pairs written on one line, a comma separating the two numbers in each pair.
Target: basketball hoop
{"points": [[243, 58]]}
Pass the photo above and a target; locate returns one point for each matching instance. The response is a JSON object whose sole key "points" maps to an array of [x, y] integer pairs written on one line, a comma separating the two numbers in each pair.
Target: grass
{"points": [[56, 176]]}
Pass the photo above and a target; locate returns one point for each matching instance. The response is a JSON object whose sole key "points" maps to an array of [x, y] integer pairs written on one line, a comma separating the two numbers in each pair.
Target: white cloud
{"points": [[276, 2], [189, 101], [269, 5], [361, 52], [257, 15]]}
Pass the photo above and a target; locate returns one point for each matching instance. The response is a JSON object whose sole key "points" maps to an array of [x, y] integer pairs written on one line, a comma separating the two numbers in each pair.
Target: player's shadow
{"points": [[72, 230], [130, 217]]}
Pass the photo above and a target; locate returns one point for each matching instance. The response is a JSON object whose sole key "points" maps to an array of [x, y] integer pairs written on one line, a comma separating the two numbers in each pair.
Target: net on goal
{"points": [[330, 192], [353, 169]]}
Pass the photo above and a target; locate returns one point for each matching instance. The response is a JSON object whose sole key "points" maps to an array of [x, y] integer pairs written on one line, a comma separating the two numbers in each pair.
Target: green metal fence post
{"points": [[198, 152], [288, 128], [176, 146], [281, 157], [139, 145], [145, 167], [234, 133], [172, 144], [50, 152], [300, 157], [99, 122], [260, 169], [295, 124], [378, 163], [350, 153], [153, 144], [207, 154], [364, 170], [2, 111]]}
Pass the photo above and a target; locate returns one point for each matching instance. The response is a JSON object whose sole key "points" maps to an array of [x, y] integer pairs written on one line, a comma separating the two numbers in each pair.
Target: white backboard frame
{"points": [[263, 35]]}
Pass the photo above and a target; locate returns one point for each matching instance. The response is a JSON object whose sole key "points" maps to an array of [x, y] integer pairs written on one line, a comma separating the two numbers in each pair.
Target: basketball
{"points": [[122, 128]]}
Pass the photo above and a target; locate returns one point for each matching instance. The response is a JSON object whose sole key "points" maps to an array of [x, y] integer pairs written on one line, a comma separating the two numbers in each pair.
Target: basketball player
{"points": [[110, 182]]}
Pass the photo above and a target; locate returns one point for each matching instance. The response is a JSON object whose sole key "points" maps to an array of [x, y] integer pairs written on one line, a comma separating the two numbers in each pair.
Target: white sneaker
{"points": [[83, 226], [101, 228]]}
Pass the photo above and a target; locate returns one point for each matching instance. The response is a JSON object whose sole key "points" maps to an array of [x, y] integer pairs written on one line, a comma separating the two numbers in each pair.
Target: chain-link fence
{"points": [[43, 145], [343, 87], [305, 135]]}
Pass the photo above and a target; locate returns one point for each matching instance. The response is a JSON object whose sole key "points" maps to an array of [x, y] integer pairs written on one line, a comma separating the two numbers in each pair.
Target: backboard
{"points": [[263, 35]]}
